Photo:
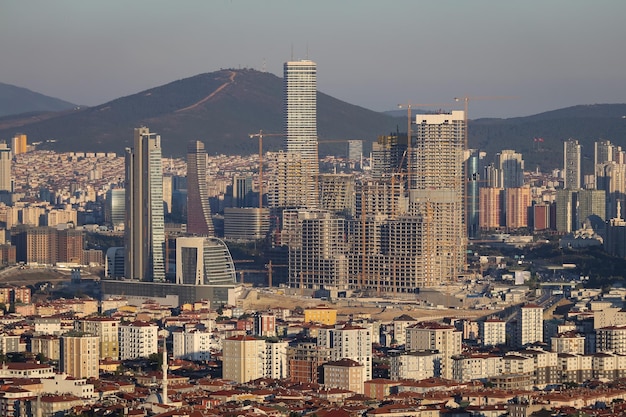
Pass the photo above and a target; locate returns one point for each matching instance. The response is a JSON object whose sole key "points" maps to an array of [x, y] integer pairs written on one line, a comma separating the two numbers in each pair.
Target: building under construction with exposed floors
{"points": [[408, 231]]}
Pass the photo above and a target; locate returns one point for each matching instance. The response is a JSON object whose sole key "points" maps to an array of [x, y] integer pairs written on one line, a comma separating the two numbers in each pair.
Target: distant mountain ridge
{"points": [[222, 108], [585, 123], [17, 100]]}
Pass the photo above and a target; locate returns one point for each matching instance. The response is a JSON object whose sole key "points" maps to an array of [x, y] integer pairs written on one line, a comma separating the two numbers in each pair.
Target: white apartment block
{"points": [[61, 384], [276, 366], [493, 332], [471, 367], [26, 370], [570, 342], [611, 339], [138, 340], [609, 366], [48, 325], [435, 336], [415, 365], [517, 364], [193, 344], [542, 358], [530, 324], [545, 365], [604, 315], [575, 368], [348, 342]]}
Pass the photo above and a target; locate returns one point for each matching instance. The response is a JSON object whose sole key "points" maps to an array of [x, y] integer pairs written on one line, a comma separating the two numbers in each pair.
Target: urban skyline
{"points": [[425, 279]]}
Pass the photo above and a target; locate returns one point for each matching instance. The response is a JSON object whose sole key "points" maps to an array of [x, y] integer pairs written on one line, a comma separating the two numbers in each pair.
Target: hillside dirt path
{"points": [[233, 74]]}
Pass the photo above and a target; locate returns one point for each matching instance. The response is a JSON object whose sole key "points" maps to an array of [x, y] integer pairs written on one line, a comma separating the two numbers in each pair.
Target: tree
{"points": [[155, 360]]}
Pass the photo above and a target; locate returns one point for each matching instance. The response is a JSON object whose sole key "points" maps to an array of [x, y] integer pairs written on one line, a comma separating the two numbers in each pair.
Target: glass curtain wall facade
{"points": [[203, 261], [145, 224], [199, 220]]}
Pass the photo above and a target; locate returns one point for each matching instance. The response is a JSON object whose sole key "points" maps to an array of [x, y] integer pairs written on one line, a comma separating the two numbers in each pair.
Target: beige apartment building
{"points": [[243, 358], [80, 355], [344, 374]]}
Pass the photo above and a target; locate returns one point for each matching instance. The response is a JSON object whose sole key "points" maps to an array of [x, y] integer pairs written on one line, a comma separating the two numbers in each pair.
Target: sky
{"points": [[509, 58]]}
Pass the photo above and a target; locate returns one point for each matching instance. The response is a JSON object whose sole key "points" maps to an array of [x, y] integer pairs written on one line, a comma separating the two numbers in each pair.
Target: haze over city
{"points": [[375, 54]]}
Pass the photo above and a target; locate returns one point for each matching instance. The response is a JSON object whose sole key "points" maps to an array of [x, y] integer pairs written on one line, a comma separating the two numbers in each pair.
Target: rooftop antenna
{"points": [[263, 66], [292, 52]]}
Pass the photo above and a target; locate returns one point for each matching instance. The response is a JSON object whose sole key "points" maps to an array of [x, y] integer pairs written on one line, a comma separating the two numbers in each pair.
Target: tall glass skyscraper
{"points": [[144, 239], [115, 208], [300, 112], [571, 164], [511, 169], [199, 220], [473, 193]]}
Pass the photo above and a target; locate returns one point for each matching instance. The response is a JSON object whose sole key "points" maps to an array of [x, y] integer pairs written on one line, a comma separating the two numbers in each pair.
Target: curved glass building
{"points": [[203, 261], [199, 220]]}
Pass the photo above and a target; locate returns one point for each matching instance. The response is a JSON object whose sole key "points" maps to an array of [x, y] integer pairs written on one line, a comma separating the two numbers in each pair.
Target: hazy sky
{"points": [[376, 54]]}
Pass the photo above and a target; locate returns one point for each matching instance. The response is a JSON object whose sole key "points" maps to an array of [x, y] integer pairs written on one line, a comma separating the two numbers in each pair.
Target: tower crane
{"points": [[260, 135]]}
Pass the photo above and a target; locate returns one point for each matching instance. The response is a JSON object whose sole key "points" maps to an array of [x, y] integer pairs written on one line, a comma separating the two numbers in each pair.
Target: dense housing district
{"points": [[422, 279]]}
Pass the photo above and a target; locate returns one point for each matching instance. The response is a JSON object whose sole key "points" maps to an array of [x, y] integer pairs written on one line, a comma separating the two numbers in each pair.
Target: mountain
{"points": [[17, 100], [220, 108]]}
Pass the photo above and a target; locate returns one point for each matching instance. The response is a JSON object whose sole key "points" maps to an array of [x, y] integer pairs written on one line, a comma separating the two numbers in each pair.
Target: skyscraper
{"points": [[242, 191], [603, 152], [144, 238], [571, 164], [491, 202], [199, 220], [19, 144], [114, 209], [5, 167], [300, 113], [566, 202], [511, 169], [410, 234], [317, 249], [611, 177], [592, 205], [473, 193], [437, 194], [518, 201]]}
